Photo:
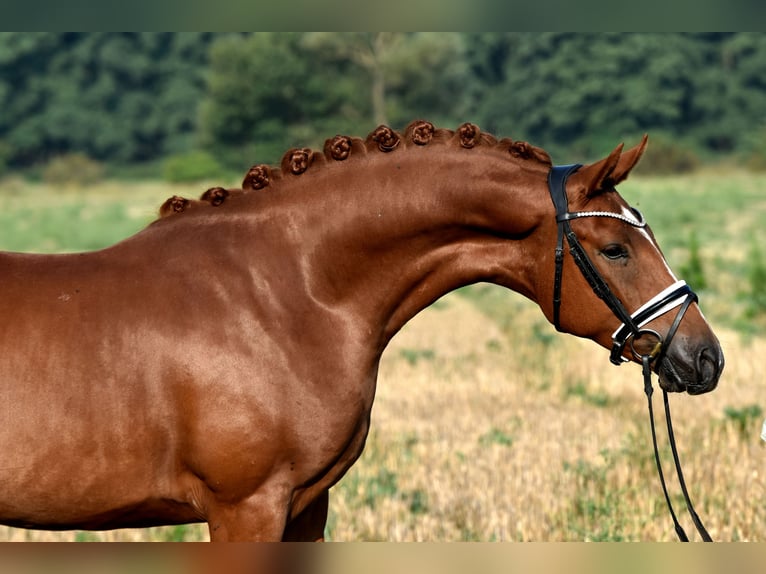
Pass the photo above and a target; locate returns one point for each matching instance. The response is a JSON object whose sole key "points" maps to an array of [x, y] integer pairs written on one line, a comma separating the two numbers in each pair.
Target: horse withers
{"points": [[220, 365]]}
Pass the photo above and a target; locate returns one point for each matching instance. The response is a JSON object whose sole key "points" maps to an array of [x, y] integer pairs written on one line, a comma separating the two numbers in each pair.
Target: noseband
{"points": [[631, 328]]}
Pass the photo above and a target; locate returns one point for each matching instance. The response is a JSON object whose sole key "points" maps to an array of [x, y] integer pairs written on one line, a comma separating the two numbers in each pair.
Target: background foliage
{"points": [[132, 98]]}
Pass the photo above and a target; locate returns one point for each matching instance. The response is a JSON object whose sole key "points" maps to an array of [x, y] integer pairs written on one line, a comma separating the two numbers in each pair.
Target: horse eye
{"points": [[614, 251]]}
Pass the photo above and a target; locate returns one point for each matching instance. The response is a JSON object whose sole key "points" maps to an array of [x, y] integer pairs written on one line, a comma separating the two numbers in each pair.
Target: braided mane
{"points": [[383, 139]]}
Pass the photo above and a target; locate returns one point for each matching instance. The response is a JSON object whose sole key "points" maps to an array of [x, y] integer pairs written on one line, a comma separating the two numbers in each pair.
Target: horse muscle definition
{"points": [[220, 365]]}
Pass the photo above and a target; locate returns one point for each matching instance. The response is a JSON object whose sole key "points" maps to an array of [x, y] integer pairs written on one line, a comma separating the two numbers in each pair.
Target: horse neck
{"points": [[399, 233]]}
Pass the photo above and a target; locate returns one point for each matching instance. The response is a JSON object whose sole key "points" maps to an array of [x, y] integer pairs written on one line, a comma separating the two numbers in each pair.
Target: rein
{"points": [[677, 295]]}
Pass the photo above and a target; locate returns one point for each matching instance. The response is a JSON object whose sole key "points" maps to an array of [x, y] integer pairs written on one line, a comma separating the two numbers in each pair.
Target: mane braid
{"points": [[383, 139]]}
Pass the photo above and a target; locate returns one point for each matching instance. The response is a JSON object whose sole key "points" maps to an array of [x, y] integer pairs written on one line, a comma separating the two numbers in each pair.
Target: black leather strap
{"points": [[557, 178], [646, 361]]}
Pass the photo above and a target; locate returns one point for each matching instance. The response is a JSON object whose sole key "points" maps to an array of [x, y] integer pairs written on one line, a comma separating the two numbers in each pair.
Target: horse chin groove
{"points": [[670, 380]]}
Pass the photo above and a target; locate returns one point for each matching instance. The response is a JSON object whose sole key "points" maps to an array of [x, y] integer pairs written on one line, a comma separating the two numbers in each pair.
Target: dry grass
{"points": [[498, 435]]}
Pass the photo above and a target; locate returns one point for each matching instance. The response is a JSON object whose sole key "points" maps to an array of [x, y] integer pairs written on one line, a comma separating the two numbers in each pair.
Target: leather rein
{"points": [[677, 295]]}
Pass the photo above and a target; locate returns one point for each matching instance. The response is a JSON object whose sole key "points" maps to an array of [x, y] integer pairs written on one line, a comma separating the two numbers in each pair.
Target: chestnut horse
{"points": [[220, 365]]}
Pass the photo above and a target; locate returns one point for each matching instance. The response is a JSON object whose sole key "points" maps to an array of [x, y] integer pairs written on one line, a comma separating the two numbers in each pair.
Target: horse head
{"points": [[615, 259]]}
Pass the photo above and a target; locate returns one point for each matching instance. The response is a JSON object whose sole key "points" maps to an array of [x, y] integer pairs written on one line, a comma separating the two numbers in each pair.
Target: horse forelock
{"points": [[381, 141]]}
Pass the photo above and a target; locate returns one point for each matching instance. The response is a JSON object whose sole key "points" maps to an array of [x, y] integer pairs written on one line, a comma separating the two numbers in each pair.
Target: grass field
{"points": [[503, 429]]}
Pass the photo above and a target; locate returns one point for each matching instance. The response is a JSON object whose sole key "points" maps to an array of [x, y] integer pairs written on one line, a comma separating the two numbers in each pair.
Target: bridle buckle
{"points": [[653, 351]]}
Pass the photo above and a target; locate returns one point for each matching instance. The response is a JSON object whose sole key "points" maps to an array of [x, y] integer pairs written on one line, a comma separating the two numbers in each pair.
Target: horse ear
{"points": [[628, 161], [611, 170], [594, 177]]}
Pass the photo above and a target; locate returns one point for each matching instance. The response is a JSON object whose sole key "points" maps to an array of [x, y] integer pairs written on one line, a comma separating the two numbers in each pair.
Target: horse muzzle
{"points": [[693, 368]]}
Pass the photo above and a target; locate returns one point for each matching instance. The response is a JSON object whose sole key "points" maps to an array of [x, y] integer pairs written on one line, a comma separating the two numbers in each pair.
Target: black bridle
{"points": [[677, 295]]}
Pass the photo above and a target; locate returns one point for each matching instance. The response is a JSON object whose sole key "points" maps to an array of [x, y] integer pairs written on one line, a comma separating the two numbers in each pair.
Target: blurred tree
{"points": [[131, 97], [584, 92], [429, 77], [409, 75], [116, 96], [579, 89], [274, 90], [267, 91], [367, 51], [730, 100], [486, 55]]}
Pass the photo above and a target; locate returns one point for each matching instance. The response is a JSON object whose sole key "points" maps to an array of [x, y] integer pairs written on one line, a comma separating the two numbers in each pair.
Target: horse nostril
{"points": [[709, 367]]}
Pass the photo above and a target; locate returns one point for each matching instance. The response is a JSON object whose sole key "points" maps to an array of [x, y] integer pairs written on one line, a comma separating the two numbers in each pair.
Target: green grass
{"points": [[39, 218], [496, 436], [746, 419], [413, 356], [580, 390]]}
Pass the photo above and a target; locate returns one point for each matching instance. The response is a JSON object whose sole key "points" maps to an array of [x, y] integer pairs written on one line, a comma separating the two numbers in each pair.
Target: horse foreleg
{"points": [[255, 519], [309, 525]]}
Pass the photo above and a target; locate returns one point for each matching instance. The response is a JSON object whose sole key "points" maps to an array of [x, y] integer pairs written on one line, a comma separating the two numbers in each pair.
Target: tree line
{"points": [[126, 98]]}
